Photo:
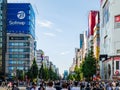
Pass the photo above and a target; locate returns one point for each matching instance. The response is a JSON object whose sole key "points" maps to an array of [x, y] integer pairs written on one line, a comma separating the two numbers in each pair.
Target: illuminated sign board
{"points": [[117, 18], [117, 21], [20, 18], [17, 19]]}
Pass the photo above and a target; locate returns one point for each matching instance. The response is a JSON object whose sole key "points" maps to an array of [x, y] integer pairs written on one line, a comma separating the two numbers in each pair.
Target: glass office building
{"points": [[20, 37], [3, 8]]}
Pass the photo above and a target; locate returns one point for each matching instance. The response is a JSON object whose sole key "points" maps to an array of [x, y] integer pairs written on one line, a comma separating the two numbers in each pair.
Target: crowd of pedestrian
{"points": [[78, 85], [67, 85]]}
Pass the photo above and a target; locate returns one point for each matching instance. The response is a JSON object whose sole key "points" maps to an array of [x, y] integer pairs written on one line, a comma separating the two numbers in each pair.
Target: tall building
{"points": [[45, 62], [39, 57], [20, 37], [3, 8], [85, 45], [110, 39], [81, 40], [65, 74], [71, 69]]}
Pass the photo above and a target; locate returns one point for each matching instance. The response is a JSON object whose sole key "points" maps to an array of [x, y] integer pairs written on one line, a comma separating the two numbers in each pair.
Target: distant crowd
{"points": [[77, 85], [66, 85]]}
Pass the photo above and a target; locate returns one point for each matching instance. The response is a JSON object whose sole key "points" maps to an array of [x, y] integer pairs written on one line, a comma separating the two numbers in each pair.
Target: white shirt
{"points": [[75, 88], [50, 88], [64, 89]]}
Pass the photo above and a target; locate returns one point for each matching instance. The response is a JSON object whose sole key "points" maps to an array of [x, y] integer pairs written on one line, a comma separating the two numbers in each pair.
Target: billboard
{"points": [[19, 18], [117, 21], [117, 18], [91, 22]]}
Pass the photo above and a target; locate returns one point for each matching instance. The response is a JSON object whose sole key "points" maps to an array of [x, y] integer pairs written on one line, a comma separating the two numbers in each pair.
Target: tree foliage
{"points": [[20, 74], [43, 73], [77, 73], [34, 70], [47, 73], [89, 66]]}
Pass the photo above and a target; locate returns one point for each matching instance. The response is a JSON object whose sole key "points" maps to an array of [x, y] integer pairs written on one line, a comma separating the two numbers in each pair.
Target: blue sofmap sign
{"points": [[20, 18], [17, 19]]}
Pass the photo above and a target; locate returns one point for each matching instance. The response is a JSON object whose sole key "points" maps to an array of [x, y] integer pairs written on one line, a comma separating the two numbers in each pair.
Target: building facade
{"points": [[84, 49], [3, 9], [39, 57], [81, 40], [71, 69], [20, 37], [109, 39]]}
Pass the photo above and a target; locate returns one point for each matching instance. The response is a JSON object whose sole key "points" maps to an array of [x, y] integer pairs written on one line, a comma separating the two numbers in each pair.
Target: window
{"points": [[118, 51], [117, 64], [0, 33], [19, 44], [10, 68], [18, 38], [105, 13], [20, 68], [12, 62], [105, 41], [0, 39]]}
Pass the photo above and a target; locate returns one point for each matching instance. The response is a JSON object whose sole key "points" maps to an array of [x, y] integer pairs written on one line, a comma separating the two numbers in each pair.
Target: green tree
{"points": [[46, 74], [77, 73], [29, 74], [50, 71], [89, 66], [20, 74], [71, 77], [41, 74], [34, 70], [81, 73]]}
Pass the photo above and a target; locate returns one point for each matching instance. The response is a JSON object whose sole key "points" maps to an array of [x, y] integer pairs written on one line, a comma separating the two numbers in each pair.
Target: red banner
{"points": [[117, 18]]}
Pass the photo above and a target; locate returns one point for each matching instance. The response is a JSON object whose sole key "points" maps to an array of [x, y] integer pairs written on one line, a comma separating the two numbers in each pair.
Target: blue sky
{"points": [[58, 25]]}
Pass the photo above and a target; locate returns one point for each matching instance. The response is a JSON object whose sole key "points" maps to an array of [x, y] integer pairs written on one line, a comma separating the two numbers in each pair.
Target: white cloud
{"points": [[45, 23], [65, 53], [50, 34]]}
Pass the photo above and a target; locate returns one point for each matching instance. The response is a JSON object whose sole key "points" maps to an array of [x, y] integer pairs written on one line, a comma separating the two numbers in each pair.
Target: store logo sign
{"points": [[21, 15]]}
